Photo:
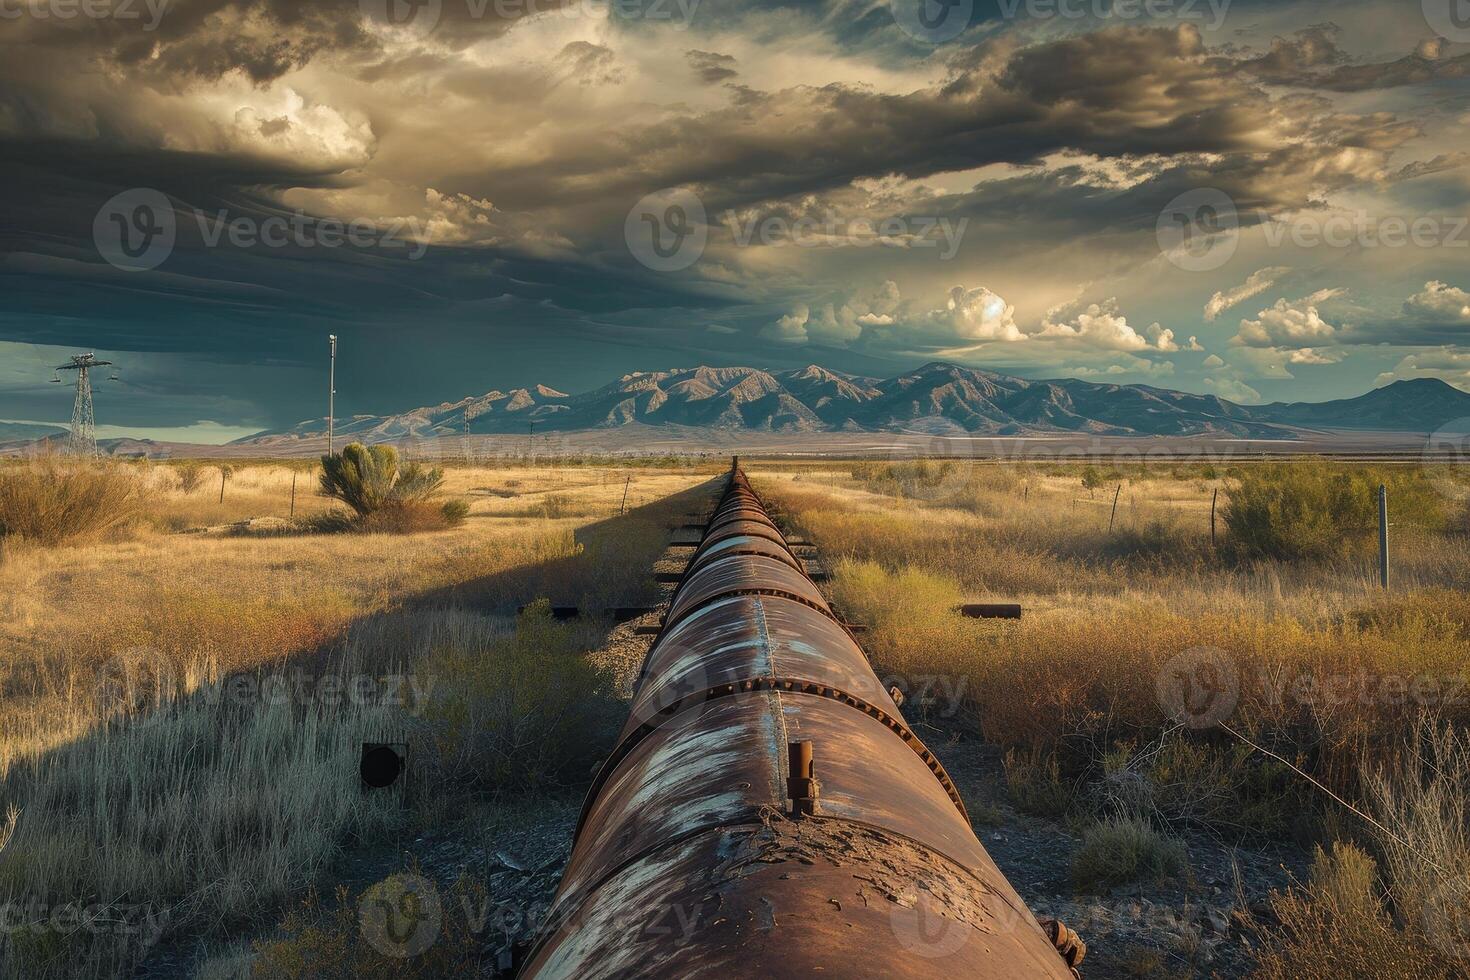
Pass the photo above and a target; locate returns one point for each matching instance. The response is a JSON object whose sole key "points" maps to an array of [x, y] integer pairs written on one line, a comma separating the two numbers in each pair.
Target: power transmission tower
{"points": [[83, 440]]}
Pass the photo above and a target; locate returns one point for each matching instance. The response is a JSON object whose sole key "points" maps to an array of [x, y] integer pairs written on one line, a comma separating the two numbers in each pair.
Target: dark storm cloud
{"points": [[237, 106], [1311, 58], [711, 67]]}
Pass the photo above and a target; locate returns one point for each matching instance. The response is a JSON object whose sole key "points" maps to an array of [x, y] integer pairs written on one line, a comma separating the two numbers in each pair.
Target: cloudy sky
{"points": [[1264, 200]]}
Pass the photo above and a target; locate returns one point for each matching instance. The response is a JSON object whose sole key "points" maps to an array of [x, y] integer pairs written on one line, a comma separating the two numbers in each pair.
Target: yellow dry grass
{"points": [[180, 710], [1141, 640]]}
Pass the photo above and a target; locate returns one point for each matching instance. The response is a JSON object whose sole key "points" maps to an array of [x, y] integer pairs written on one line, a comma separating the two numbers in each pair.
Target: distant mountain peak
{"points": [[938, 396]]}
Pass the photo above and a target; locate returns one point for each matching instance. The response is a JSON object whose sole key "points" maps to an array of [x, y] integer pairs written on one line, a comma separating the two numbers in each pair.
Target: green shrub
{"points": [[1091, 478], [53, 501], [1313, 510], [385, 496], [1035, 784], [1125, 849]]}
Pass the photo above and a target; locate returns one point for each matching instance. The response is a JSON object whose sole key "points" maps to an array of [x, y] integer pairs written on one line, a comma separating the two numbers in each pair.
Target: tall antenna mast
{"points": [[331, 393], [83, 439]]}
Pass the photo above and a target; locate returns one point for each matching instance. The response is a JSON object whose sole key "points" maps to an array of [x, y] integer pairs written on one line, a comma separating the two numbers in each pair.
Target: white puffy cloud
{"points": [[1233, 390], [1312, 355], [976, 314], [457, 218], [791, 328], [1103, 326], [1212, 362], [1256, 283], [1440, 302], [1290, 323]]}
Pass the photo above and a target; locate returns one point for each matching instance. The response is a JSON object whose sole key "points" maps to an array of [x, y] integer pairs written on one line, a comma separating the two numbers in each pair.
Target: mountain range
{"points": [[937, 398]]}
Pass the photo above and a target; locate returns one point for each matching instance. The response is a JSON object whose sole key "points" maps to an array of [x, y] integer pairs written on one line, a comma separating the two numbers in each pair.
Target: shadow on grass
{"points": [[203, 816]]}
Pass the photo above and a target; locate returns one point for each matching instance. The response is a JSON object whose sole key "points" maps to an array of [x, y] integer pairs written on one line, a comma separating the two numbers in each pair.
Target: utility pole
{"points": [[469, 414], [1113, 516], [331, 393], [1383, 535]]}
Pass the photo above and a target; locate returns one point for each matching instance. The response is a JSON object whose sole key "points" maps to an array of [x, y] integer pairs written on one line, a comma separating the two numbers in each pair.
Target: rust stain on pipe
{"points": [[767, 812]]}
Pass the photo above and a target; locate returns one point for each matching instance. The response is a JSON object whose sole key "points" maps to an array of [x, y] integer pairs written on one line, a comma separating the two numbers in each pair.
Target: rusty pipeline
{"points": [[767, 812]]}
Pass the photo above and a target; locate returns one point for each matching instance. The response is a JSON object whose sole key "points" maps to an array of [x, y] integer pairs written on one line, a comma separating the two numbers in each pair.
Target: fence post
{"points": [[1213, 497], [1383, 535], [293, 493], [1114, 514], [222, 475]]}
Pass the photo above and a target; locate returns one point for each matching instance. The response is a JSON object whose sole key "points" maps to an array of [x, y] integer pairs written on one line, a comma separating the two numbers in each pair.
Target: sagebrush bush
{"points": [[1034, 782], [1121, 850], [52, 501], [190, 476], [1313, 509]]}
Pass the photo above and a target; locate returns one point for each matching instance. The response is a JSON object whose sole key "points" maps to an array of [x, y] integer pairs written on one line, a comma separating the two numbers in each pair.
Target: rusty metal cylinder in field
{"points": [[766, 811]]}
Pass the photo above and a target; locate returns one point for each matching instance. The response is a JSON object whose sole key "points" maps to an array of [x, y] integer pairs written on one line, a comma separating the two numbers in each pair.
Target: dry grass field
{"points": [[183, 695], [1146, 656], [184, 689]]}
